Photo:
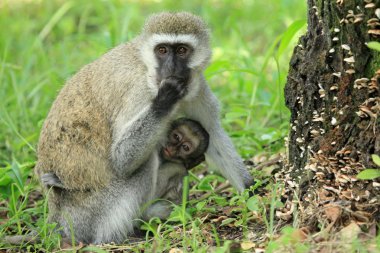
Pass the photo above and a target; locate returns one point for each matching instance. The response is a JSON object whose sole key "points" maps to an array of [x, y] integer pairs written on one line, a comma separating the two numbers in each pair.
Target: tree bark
{"points": [[332, 92]]}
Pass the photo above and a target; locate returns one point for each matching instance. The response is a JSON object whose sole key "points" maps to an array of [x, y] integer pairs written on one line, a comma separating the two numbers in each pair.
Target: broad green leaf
{"points": [[288, 35], [5, 179], [17, 175], [204, 185], [253, 203], [220, 201], [200, 205], [376, 159], [239, 222], [235, 115], [217, 66], [269, 52], [369, 174], [279, 204], [228, 221], [374, 45]]}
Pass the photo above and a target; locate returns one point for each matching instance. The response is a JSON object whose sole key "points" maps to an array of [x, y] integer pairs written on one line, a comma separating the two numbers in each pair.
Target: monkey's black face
{"points": [[173, 61]]}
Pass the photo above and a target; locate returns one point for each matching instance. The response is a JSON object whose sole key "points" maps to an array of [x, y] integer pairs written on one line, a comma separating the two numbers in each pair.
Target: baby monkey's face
{"points": [[180, 145]]}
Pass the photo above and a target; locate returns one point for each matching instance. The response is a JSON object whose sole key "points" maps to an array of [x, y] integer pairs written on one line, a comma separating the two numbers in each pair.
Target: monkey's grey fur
{"points": [[109, 214], [102, 130]]}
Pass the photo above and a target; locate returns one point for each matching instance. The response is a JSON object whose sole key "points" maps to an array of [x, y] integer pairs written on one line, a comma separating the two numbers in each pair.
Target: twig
{"points": [[217, 190], [268, 163]]}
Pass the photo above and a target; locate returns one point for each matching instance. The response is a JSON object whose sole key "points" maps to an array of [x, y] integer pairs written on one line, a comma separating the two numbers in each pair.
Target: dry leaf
{"points": [[350, 232], [228, 210], [325, 195], [247, 245], [332, 212], [219, 219], [175, 250], [300, 234], [372, 230], [362, 217]]}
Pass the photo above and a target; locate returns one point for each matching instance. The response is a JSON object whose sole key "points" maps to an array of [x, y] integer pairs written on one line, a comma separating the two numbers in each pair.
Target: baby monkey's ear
{"points": [[191, 163]]}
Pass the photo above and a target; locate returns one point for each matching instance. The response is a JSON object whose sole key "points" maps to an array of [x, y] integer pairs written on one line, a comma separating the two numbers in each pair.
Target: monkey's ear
{"points": [[51, 180], [191, 163]]}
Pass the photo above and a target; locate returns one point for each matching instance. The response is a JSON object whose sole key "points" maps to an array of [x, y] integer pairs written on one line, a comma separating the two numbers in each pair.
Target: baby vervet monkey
{"points": [[183, 149]]}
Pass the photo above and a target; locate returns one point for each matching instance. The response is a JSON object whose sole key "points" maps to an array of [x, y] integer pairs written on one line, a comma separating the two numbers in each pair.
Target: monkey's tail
{"points": [[18, 240]]}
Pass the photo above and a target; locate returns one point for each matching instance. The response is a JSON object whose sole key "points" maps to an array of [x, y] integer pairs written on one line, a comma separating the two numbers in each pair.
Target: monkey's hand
{"points": [[171, 91], [51, 180]]}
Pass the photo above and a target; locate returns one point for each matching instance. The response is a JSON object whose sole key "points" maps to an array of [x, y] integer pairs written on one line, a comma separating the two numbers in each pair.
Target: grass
{"points": [[44, 42]]}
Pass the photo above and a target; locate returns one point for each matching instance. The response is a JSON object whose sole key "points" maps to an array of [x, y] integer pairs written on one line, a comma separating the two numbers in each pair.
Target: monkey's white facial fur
{"points": [[200, 57], [198, 61]]}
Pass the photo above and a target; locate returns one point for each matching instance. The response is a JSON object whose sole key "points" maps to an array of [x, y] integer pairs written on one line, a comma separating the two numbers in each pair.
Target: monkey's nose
{"points": [[176, 78], [167, 152]]}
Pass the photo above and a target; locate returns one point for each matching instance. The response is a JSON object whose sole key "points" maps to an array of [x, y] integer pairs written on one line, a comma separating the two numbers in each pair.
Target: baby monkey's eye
{"points": [[186, 147], [177, 137]]}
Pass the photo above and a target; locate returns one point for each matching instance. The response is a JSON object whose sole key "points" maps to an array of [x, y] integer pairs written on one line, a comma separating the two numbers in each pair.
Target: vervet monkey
{"points": [[104, 126], [182, 150]]}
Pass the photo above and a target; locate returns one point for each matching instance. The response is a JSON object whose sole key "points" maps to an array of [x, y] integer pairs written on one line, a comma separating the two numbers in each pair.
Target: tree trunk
{"points": [[332, 92]]}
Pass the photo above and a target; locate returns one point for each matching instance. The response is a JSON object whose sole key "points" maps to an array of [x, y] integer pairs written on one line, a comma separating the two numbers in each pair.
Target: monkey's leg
{"points": [[168, 189], [221, 152], [108, 214], [169, 175], [120, 204], [160, 209]]}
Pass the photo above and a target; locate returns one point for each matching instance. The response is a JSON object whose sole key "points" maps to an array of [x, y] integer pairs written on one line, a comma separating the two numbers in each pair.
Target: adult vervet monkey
{"points": [[105, 124]]}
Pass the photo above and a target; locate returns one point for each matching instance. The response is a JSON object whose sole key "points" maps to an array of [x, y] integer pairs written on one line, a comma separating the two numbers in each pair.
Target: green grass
{"points": [[43, 43]]}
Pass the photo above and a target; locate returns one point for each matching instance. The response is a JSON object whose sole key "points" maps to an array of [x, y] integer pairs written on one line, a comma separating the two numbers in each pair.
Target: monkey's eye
{"points": [[176, 137], [186, 147], [181, 50], [161, 50]]}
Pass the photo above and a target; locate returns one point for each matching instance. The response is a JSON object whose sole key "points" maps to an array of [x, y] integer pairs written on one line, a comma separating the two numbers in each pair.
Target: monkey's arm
{"points": [[136, 139], [221, 152]]}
